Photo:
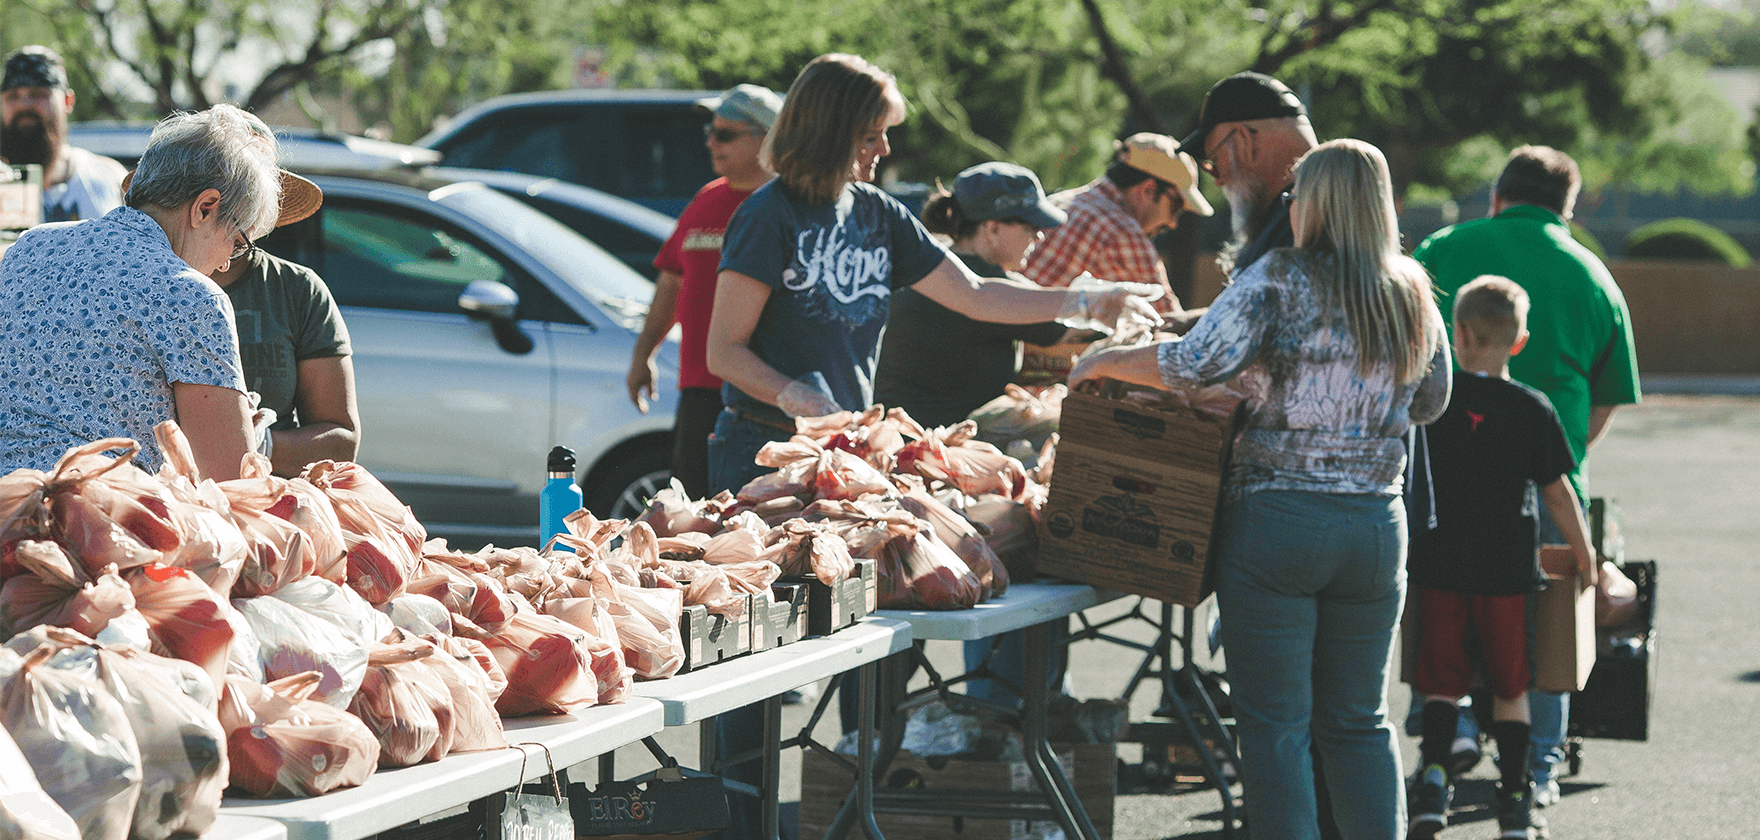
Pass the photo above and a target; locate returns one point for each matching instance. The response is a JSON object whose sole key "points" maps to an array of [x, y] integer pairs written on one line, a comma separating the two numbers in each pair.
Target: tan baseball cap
{"points": [[1159, 155]]}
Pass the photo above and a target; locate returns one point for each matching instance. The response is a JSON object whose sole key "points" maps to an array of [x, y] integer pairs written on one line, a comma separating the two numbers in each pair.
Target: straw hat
{"points": [[300, 198]]}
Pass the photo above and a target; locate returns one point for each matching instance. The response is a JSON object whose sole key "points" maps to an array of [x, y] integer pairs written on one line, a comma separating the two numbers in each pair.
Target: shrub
{"points": [[1686, 239]]}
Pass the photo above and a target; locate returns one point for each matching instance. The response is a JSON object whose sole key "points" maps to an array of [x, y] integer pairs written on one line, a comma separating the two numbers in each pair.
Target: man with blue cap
{"points": [[35, 102]]}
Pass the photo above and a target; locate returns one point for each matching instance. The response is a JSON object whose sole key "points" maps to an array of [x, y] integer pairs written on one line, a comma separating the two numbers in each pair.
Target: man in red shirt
{"points": [[685, 291]]}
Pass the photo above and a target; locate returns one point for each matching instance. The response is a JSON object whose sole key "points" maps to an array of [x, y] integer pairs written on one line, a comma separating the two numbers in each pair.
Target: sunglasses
{"points": [[723, 135], [1287, 198]]}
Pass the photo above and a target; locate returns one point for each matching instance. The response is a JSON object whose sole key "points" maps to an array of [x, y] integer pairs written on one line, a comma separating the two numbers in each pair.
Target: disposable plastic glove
{"points": [[1106, 306], [807, 397], [262, 437]]}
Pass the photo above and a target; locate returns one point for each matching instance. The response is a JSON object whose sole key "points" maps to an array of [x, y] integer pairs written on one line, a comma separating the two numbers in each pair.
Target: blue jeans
{"points": [[1310, 587], [732, 450], [1009, 662]]}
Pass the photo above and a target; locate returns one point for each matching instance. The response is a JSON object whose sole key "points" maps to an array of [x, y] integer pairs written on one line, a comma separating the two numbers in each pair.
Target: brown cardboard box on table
{"points": [[1133, 498], [1563, 628]]}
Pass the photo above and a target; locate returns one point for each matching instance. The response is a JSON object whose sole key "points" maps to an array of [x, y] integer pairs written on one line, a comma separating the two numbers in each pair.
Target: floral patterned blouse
{"points": [[1314, 422], [97, 320]]}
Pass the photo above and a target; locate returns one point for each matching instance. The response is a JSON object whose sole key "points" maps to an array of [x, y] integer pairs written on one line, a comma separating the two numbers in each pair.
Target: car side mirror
{"points": [[498, 304], [489, 299]]}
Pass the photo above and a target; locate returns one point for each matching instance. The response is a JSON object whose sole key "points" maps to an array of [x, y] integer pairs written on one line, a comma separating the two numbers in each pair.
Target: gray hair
{"points": [[223, 148]]}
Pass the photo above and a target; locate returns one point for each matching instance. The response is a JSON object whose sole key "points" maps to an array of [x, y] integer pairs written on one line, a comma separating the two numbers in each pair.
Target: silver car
{"points": [[485, 332]]}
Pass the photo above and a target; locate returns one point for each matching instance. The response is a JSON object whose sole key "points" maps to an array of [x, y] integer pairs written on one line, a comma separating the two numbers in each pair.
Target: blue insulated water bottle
{"points": [[561, 496]]}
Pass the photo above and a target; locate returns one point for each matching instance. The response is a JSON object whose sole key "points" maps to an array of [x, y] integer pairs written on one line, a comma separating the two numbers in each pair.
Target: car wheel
{"points": [[626, 488]]}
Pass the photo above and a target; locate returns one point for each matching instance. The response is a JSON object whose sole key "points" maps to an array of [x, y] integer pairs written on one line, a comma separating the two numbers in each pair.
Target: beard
{"points": [[25, 140], [1250, 204]]}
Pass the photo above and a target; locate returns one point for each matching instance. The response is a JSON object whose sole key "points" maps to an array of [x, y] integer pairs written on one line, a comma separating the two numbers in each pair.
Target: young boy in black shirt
{"points": [[1495, 444]]}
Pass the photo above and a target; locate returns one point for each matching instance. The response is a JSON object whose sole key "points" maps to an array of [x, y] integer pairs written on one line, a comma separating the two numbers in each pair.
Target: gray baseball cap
{"points": [[998, 190], [754, 104]]}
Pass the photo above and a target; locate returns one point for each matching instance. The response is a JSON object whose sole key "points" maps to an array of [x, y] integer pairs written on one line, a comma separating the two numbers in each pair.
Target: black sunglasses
{"points": [[1288, 198], [723, 135]]}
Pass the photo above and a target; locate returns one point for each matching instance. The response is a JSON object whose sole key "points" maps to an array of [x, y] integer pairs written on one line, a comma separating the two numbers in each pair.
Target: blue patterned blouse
{"points": [[1314, 422], [97, 320]]}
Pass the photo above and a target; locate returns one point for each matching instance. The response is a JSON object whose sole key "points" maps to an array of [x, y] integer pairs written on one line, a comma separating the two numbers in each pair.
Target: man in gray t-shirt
{"points": [[35, 102]]}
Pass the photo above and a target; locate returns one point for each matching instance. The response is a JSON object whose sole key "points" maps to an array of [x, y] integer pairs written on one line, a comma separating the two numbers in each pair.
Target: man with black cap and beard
{"points": [[34, 103], [1251, 132]]}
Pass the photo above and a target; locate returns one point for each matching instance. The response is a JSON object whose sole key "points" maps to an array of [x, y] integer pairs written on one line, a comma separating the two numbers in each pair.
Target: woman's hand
{"points": [[1136, 365], [1110, 307]]}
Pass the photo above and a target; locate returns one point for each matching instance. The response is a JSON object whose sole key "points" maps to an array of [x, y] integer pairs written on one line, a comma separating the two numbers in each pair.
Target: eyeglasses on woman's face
{"points": [[242, 246]]}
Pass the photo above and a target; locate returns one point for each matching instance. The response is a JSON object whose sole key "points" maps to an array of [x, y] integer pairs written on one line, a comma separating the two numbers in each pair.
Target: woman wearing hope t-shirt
{"points": [[810, 261]]}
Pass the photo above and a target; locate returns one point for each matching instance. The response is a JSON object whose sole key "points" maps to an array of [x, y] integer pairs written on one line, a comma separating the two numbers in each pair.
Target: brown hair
{"points": [[1494, 310], [835, 101], [1542, 176]]}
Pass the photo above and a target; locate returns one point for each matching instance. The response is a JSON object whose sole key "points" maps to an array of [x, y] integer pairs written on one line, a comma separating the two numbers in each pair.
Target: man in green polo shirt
{"points": [[1580, 352]]}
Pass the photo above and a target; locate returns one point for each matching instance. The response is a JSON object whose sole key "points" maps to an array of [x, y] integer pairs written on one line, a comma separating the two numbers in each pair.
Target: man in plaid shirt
{"points": [[1113, 218]]}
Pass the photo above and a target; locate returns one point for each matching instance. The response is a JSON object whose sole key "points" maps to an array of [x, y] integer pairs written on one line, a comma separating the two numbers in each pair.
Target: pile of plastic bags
{"points": [[921, 502]]}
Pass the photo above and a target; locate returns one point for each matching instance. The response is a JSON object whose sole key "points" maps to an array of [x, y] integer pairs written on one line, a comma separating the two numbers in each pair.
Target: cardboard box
{"points": [[1564, 625], [1091, 769], [1564, 629], [832, 607], [675, 803], [781, 617], [710, 638], [1132, 502]]}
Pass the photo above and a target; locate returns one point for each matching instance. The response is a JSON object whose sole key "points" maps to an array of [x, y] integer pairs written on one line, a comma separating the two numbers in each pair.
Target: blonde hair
{"points": [[835, 101], [1345, 195], [1494, 310]]}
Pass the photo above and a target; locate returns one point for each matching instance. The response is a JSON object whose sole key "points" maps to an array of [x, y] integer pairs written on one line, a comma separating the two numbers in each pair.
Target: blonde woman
{"points": [[1341, 348]]}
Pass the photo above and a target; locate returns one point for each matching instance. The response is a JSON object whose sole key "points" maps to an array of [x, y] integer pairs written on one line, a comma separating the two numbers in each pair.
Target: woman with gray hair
{"points": [[111, 325]]}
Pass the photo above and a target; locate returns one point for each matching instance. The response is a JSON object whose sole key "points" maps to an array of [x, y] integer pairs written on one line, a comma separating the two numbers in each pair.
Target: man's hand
{"points": [[642, 373]]}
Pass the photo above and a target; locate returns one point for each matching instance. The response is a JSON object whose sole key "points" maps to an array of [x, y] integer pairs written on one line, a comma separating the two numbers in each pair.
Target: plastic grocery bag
{"points": [[958, 533], [182, 747], [292, 641], [923, 574], [475, 723], [340, 606], [548, 666], [417, 615], [283, 743], [26, 812], [401, 701], [77, 739], [185, 618], [53, 589]]}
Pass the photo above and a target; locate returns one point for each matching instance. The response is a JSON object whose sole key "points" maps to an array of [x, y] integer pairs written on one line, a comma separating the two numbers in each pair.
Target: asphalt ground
{"points": [[1685, 470]]}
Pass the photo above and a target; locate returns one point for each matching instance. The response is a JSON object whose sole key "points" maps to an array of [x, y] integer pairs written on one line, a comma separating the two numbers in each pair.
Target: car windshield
{"points": [[596, 274]]}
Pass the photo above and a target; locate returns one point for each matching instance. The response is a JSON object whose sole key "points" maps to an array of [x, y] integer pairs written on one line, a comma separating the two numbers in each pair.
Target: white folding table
{"points": [[397, 796], [763, 677], [1030, 607]]}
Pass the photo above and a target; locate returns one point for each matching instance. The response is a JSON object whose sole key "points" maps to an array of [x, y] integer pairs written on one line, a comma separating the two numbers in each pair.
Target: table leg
{"points": [[1059, 794], [769, 790], [859, 805]]}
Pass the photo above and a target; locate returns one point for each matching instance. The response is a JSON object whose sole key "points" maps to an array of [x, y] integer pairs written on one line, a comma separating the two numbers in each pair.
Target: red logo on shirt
{"points": [[1476, 418]]}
